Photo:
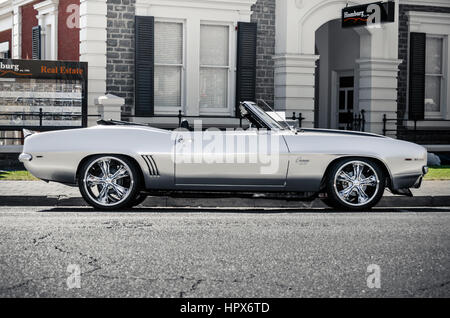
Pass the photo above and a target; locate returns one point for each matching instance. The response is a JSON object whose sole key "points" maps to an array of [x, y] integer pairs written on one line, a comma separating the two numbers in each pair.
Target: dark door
{"points": [[346, 96]]}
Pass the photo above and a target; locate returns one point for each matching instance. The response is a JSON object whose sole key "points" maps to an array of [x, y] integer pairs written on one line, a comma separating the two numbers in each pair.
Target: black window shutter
{"points": [[246, 63], [144, 65], [417, 76], [36, 42]]}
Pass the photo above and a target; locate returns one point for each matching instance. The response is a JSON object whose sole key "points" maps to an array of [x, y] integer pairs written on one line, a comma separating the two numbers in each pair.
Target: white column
{"points": [[48, 16], [378, 91], [294, 85], [93, 49], [193, 67], [16, 33], [378, 72]]}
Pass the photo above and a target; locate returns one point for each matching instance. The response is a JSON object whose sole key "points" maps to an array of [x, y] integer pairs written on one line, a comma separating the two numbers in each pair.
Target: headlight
{"points": [[425, 170]]}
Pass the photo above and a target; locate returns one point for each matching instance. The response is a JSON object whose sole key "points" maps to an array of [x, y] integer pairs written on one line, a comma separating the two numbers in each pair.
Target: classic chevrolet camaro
{"points": [[117, 164]]}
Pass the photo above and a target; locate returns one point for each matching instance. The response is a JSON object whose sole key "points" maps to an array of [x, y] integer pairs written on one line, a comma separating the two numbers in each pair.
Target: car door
{"points": [[238, 159]]}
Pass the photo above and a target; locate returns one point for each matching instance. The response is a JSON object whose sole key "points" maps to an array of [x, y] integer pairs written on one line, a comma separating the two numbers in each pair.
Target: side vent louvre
{"points": [[151, 165]]}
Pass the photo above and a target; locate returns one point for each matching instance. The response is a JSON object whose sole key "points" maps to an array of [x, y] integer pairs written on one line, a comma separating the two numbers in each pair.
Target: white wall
{"points": [[6, 15], [344, 45], [6, 22], [322, 44]]}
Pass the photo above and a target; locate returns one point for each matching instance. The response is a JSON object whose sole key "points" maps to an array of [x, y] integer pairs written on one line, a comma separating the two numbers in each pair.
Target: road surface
{"points": [[76, 252]]}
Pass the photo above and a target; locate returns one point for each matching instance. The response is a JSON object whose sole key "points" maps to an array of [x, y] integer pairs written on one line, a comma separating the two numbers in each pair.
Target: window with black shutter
{"points": [[144, 65], [246, 63], [416, 101], [36, 42]]}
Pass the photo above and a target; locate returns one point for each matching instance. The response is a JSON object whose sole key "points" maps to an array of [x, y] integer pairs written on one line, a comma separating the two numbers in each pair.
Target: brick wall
{"points": [[403, 50], [120, 51], [68, 33], [264, 15], [29, 21]]}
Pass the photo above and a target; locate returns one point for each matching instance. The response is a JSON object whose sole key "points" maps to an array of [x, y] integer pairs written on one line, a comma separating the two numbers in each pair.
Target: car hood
{"points": [[339, 132]]}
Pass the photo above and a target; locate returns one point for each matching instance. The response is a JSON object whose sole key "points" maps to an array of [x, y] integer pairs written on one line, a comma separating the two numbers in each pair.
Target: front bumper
{"points": [[408, 181]]}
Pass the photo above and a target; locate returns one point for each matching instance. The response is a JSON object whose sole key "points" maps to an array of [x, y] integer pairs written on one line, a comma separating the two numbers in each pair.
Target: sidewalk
{"points": [[39, 193]]}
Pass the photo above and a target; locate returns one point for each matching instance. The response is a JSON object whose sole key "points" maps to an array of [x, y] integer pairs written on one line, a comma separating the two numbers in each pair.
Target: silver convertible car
{"points": [[117, 164]]}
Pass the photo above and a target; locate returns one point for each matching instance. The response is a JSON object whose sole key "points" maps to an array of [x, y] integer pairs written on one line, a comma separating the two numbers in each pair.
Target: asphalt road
{"points": [[223, 253]]}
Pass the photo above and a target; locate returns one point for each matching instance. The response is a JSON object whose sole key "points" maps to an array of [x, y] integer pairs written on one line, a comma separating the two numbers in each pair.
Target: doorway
{"points": [[336, 78], [346, 90]]}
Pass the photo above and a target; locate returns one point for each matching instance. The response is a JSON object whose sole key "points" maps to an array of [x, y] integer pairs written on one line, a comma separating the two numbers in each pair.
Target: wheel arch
{"points": [[381, 164], [135, 162]]}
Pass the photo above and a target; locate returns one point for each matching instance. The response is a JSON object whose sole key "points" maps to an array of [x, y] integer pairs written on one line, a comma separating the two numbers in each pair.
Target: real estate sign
{"points": [[42, 95]]}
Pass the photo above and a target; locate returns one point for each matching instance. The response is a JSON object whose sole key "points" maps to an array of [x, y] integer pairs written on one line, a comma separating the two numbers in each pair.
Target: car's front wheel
{"points": [[109, 182], [355, 184]]}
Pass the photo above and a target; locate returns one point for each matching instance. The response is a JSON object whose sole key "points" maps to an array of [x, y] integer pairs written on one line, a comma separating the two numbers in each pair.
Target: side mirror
{"points": [[243, 111]]}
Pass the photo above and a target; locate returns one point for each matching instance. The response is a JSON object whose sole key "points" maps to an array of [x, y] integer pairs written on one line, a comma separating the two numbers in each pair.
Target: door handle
{"points": [[181, 139]]}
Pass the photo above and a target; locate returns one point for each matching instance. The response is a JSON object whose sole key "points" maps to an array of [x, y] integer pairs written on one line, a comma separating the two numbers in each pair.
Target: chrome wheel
{"points": [[108, 181], [356, 183]]}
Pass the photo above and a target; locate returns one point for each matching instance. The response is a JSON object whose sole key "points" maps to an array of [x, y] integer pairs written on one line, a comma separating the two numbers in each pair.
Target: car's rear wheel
{"points": [[355, 184], [109, 182]]}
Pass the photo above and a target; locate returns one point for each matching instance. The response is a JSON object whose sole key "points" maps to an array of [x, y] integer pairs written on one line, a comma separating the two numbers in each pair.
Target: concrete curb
{"points": [[387, 201]]}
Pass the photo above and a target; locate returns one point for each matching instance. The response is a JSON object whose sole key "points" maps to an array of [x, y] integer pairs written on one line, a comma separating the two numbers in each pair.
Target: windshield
{"points": [[264, 116], [273, 124], [272, 113]]}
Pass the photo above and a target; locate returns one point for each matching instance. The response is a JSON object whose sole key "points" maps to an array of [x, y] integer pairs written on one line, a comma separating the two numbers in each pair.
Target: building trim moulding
{"points": [[297, 60], [239, 5], [48, 6], [431, 3], [19, 3], [6, 8], [378, 64], [418, 18]]}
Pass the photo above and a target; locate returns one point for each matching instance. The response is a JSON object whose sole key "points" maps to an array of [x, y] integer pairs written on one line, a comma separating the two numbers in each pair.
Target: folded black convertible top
{"points": [[112, 122]]}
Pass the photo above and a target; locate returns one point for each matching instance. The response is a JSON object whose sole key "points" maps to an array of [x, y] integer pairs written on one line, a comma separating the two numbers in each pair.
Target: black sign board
{"points": [[366, 14], [10, 68], [42, 95]]}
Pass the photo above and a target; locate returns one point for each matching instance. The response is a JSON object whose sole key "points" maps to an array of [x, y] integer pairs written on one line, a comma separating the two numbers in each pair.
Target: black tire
{"points": [[356, 201], [132, 182], [329, 202], [140, 197]]}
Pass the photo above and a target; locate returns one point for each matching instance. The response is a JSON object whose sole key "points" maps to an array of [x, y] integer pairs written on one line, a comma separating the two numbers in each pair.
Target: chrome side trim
{"points": [[151, 165]]}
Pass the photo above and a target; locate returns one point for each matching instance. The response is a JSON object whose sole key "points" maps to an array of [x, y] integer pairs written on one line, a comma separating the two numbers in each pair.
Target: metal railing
{"points": [[180, 117], [353, 121], [40, 117], [404, 130]]}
